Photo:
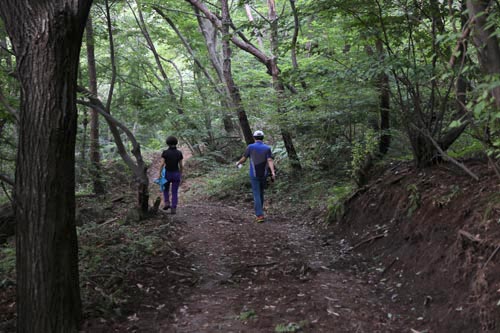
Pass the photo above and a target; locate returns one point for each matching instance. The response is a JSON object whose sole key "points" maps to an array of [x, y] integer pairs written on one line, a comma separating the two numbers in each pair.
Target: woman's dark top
{"points": [[172, 156]]}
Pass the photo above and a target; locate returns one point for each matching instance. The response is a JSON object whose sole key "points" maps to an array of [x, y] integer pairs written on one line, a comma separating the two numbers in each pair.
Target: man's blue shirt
{"points": [[258, 153]]}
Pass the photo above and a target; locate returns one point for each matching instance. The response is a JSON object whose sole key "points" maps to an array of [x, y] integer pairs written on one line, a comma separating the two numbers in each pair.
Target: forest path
{"points": [[266, 277], [236, 275]]}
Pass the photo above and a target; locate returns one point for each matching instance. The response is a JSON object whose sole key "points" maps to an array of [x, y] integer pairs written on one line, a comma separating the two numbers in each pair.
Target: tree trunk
{"points": [[384, 105], [95, 155], [279, 86], [222, 92], [228, 76], [143, 198], [210, 36], [486, 41], [269, 62], [47, 37], [285, 134], [139, 168], [424, 151]]}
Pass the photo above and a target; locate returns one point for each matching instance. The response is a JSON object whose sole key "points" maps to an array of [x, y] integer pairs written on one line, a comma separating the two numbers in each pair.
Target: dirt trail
{"points": [[266, 277], [231, 274]]}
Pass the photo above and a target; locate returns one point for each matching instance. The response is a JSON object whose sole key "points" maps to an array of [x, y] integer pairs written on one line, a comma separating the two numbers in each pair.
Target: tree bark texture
{"points": [[46, 36], [228, 76], [270, 63], [95, 155], [424, 151], [278, 85], [211, 41], [486, 42], [384, 104], [221, 91]]}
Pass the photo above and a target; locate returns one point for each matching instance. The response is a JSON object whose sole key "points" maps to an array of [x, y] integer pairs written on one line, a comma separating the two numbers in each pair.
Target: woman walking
{"points": [[172, 165]]}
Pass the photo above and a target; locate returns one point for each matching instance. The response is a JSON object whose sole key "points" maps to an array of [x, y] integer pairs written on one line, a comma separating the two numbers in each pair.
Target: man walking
{"points": [[261, 162]]}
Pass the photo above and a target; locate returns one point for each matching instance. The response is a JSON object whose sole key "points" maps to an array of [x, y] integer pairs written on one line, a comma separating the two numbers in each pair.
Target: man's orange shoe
{"points": [[259, 219]]}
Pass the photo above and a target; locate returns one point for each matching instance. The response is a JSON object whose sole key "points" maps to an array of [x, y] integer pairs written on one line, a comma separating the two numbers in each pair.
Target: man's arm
{"points": [[241, 161], [270, 162]]}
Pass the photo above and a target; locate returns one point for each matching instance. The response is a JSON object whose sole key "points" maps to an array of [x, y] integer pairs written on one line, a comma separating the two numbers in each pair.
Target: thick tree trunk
{"points": [[46, 36], [228, 76], [424, 152], [95, 155], [486, 41]]}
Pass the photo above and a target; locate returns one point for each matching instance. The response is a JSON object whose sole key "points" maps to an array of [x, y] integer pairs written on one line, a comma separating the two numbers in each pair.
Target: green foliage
{"points": [[448, 197], [466, 146], [7, 262], [246, 315], [414, 199], [362, 150], [487, 116], [225, 181], [336, 202], [291, 327]]}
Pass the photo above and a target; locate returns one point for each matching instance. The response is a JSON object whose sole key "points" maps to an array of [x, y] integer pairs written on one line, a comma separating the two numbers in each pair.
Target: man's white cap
{"points": [[258, 133]]}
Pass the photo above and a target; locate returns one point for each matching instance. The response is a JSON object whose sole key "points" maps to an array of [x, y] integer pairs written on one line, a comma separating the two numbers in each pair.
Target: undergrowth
{"points": [[108, 254], [7, 263], [290, 193]]}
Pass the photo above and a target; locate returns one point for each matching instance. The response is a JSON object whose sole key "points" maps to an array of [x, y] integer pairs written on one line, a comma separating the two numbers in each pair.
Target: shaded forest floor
{"points": [[413, 252], [222, 272]]}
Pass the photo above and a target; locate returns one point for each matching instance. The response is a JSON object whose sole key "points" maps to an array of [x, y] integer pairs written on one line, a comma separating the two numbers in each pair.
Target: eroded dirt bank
{"points": [[435, 233]]}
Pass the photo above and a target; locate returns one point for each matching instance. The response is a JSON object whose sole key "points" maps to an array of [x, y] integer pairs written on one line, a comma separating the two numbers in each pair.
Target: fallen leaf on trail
{"points": [[133, 317], [330, 311]]}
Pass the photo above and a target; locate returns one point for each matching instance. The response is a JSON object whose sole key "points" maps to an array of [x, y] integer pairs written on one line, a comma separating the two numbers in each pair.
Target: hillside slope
{"points": [[432, 238]]}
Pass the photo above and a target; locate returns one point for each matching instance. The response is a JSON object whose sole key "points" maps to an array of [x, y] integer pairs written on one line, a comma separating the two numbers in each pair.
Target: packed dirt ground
{"points": [[413, 251]]}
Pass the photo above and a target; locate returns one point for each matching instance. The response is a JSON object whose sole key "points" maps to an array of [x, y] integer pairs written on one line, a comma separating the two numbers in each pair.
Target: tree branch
{"points": [[189, 49], [112, 56], [114, 124], [245, 46], [444, 155], [6, 179]]}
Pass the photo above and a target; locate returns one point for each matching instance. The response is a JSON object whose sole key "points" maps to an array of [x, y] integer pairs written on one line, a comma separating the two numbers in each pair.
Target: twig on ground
{"points": [[491, 256], [469, 236], [367, 241], [263, 264], [108, 221], [389, 266]]}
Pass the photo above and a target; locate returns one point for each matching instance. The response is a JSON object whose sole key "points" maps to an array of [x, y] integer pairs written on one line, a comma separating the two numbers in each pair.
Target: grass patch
{"points": [[246, 315], [336, 201], [291, 327]]}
